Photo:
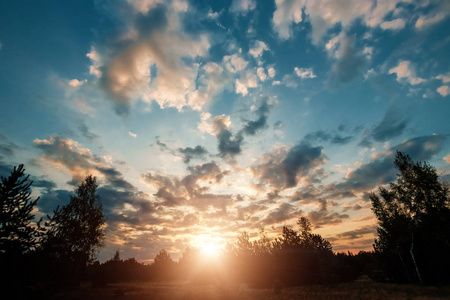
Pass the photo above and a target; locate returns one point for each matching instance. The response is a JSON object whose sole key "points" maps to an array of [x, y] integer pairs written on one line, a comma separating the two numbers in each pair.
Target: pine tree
{"points": [[17, 233]]}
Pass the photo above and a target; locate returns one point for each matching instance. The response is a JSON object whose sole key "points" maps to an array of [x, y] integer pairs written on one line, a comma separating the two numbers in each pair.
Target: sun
{"points": [[210, 250]]}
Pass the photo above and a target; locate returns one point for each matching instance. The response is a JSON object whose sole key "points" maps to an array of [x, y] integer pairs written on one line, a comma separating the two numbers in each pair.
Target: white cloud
{"points": [[132, 134], [76, 83], [213, 15], [305, 73], [241, 88], [444, 77], [242, 6], [258, 49], [94, 68], [405, 72], [215, 125], [271, 72], [443, 90], [261, 74], [425, 21], [324, 14], [396, 24], [234, 63]]}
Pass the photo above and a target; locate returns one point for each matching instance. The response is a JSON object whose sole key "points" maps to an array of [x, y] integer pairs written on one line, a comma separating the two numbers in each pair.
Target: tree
{"points": [[76, 231], [413, 223], [17, 233]]}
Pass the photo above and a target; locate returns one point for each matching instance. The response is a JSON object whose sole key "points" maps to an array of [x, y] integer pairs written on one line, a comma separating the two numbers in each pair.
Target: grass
{"points": [[188, 291]]}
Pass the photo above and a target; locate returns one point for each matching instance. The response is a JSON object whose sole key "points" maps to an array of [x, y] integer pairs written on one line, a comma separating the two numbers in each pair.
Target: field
{"points": [[186, 291]]}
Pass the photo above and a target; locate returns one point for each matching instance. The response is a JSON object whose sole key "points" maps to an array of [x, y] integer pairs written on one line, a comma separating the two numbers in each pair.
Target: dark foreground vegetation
{"points": [[57, 258]]}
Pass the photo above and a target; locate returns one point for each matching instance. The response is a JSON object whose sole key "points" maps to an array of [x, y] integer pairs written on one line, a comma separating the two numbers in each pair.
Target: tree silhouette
{"points": [[76, 231], [413, 223], [17, 234]]}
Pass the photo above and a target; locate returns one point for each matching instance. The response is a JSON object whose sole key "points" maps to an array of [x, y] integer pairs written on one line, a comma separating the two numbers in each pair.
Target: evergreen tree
{"points": [[17, 233]]}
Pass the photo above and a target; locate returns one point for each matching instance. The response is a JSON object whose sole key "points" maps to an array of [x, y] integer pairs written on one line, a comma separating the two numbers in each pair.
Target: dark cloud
{"points": [[357, 233], [350, 63], [325, 217], [86, 132], [284, 212], [229, 146], [191, 153], [6, 146], [43, 183], [299, 160], [392, 125], [333, 138], [381, 170], [51, 199], [252, 127], [282, 167]]}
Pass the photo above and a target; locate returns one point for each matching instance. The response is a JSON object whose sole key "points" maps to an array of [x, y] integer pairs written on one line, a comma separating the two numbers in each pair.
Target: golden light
{"points": [[210, 250]]}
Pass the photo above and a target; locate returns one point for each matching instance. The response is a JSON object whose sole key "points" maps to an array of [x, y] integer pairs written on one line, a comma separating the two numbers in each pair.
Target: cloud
{"points": [[381, 170], [132, 134], [228, 145], [215, 125], [325, 217], [242, 6], [261, 74], [333, 138], [258, 48], [325, 14], [349, 61], [234, 63], [443, 90], [191, 153], [76, 83], [392, 125], [156, 61], [78, 161], [447, 159], [405, 73], [271, 72], [304, 73], [434, 15], [396, 24], [283, 167], [252, 127], [285, 211], [357, 233]]}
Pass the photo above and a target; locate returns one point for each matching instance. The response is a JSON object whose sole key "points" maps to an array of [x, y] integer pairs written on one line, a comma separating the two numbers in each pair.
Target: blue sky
{"points": [[204, 119]]}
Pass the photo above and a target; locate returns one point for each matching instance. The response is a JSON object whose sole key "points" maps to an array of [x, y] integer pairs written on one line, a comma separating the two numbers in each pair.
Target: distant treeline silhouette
{"points": [[413, 243]]}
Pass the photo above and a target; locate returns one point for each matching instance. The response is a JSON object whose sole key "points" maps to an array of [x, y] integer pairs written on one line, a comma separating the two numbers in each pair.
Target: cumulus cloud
{"points": [[443, 90], [284, 212], [324, 217], [349, 61], [242, 6], [396, 24], [436, 14], [304, 72], [271, 72], [234, 63], [258, 48], [261, 72], [252, 127], [285, 166], [324, 14], [155, 64], [214, 126], [78, 161], [76, 83], [191, 153], [132, 134], [406, 73]]}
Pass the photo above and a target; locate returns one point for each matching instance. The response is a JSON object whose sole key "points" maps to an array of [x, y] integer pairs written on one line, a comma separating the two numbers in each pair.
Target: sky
{"points": [[204, 119]]}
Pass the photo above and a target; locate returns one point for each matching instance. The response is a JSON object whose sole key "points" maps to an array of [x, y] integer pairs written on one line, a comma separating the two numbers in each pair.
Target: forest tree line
{"points": [[412, 244]]}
